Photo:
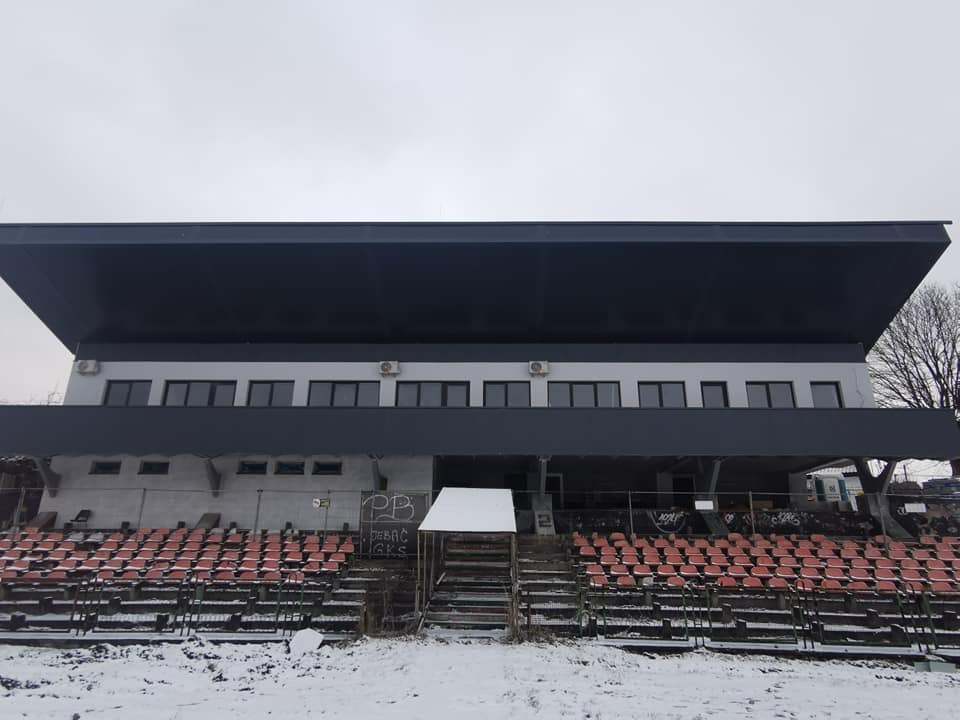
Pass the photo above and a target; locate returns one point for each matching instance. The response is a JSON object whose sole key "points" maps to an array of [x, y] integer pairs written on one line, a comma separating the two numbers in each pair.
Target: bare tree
{"points": [[916, 363]]}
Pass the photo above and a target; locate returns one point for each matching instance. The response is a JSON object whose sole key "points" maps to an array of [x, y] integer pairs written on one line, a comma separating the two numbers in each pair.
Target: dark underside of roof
{"points": [[468, 282], [785, 439]]}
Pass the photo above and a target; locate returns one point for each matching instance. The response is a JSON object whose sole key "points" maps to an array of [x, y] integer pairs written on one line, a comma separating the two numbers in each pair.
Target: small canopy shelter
{"points": [[471, 510], [462, 511]]}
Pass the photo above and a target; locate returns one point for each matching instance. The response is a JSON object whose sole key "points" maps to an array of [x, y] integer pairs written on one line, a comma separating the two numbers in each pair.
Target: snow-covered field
{"points": [[386, 679]]}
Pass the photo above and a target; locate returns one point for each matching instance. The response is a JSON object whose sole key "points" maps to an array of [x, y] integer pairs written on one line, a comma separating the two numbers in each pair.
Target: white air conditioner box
{"points": [[538, 367], [389, 367], [87, 367]]}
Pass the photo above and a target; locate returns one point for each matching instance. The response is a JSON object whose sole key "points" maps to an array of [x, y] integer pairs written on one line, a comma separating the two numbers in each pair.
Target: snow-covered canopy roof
{"points": [[478, 510]]}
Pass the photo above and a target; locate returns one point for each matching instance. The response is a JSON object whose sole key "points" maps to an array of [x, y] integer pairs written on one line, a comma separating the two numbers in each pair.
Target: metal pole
{"points": [[630, 508], [433, 562], [753, 521], [880, 509], [416, 595], [256, 515], [17, 514], [326, 514], [143, 501]]}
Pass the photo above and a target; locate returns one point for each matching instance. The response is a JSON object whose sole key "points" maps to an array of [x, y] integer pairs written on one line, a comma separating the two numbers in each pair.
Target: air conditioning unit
{"points": [[389, 367], [87, 367], [539, 367]]}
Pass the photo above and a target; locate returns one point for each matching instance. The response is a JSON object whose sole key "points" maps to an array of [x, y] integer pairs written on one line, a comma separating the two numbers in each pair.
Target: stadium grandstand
{"points": [[658, 435]]}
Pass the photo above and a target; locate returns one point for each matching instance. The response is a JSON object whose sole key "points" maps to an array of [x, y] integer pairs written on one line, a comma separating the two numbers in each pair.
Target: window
{"points": [[714, 394], [327, 468], [344, 394], [127, 393], [105, 467], [770, 395], [506, 394], [270, 394], [584, 394], [154, 467], [662, 395], [433, 394], [252, 467], [288, 468], [826, 394], [200, 393]]}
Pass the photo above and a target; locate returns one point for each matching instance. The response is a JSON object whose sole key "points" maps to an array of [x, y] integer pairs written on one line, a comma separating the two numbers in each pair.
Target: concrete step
{"points": [[466, 623], [470, 598], [466, 606], [477, 564], [544, 566], [478, 551], [546, 572], [474, 585]]}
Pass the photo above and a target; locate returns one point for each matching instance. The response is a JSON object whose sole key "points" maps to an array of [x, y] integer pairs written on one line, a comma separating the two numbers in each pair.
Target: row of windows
{"points": [[245, 467], [457, 394]]}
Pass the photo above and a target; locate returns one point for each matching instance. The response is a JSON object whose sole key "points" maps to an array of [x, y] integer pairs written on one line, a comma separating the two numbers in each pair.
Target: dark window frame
{"points": [[155, 470], [506, 393], [596, 394], [444, 387], [832, 383], [722, 384], [129, 383], [210, 396], [288, 467], [106, 467], [333, 392], [766, 385], [335, 467], [659, 385], [271, 383], [246, 467]]}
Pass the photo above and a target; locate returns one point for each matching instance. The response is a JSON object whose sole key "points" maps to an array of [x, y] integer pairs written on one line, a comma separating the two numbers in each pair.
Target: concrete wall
{"points": [[184, 494], [854, 380]]}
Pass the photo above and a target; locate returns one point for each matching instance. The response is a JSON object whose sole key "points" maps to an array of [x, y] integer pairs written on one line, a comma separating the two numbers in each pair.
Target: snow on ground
{"points": [[386, 679]]}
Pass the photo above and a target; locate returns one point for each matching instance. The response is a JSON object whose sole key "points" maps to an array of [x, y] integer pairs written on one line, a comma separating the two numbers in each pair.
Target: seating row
{"points": [[815, 562], [760, 577]]}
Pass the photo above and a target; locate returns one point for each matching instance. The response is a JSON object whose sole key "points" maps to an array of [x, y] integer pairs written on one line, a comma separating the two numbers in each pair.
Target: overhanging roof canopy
{"points": [[468, 282], [472, 510]]}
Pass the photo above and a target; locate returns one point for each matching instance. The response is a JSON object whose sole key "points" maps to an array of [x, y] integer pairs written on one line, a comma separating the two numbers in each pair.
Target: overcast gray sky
{"points": [[673, 110]]}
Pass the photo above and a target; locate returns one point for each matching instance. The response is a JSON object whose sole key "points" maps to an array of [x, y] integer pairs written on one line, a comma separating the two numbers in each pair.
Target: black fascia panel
{"points": [[468, 282]]}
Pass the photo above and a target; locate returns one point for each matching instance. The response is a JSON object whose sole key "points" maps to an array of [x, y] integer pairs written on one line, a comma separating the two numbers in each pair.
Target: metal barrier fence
{"points": [[386, 521], [647, 512]]}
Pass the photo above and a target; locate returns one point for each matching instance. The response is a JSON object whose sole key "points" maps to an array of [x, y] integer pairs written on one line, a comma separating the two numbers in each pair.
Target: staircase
{"points": [[388, 590], [548, 585], [472, 594]]}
